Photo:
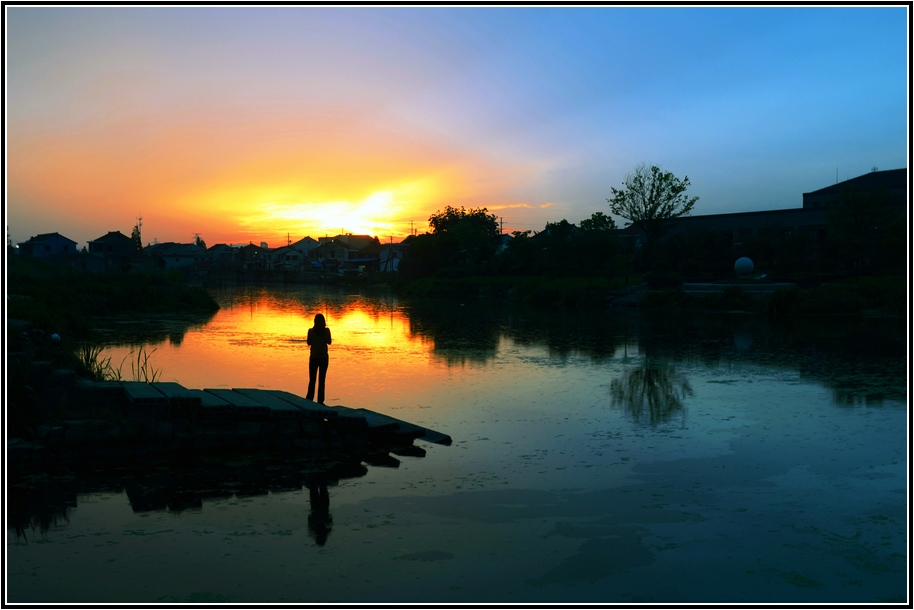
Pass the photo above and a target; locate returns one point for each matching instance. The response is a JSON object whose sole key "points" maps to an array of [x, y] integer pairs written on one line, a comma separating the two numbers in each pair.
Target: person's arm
{"points": [[329, 340], [308, 340]]}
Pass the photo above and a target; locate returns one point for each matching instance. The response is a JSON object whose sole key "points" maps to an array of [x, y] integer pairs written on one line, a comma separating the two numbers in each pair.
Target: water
{"points": [[612, 458]]}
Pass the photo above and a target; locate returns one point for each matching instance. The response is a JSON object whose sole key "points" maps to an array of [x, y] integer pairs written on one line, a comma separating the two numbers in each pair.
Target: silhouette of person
{"points": [[318, 339], [319, 520]]}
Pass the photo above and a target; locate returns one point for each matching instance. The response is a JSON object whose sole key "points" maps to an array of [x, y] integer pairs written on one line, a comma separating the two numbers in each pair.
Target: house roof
{"points": [[46, 237], [891, 178], [253, 248], [357, 242], [286, 250], [305, 243], [111, 236], [174, 249]]}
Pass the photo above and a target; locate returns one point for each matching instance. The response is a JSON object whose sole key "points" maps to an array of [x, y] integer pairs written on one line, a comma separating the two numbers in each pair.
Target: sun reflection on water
{"points": [[257, 339]]}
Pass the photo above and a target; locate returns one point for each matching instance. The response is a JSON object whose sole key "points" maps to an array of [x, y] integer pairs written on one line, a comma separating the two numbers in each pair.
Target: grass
{"points": [[101, 369]]}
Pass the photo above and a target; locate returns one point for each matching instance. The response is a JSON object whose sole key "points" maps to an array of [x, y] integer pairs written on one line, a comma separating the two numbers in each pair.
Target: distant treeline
{"points": [[60, 299]]}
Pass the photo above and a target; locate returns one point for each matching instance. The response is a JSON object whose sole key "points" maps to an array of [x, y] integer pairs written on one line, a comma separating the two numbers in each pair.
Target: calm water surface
{"points": [[612, 458]]}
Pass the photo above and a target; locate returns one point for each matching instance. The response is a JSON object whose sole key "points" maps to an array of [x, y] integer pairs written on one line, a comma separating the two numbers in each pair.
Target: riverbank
{"points": [[859, 296], [50, 307], [788, 297]]}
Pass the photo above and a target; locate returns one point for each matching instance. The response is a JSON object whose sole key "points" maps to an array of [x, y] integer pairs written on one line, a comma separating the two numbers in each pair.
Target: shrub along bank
{"points": [[863, 295], [61, 299], [49, 313], [884, 296]]}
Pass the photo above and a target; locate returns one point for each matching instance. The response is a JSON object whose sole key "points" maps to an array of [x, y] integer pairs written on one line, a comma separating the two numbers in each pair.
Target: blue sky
{"points": [[243, 121]]}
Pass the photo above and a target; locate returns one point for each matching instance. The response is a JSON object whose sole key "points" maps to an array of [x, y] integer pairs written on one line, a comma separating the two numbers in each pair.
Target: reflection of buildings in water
{"points": [[651, 393]]}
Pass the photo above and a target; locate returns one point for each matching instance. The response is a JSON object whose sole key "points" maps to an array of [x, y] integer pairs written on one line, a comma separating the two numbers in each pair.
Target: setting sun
{"points": [[378, 214]]}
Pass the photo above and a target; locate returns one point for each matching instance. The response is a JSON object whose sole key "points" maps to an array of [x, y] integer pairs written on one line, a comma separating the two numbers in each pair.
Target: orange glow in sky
{"points": [[266, 123]]}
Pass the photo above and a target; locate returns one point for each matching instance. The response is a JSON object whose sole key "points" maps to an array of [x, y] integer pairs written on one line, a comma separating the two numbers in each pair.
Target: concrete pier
{"points": [[145, 418]]}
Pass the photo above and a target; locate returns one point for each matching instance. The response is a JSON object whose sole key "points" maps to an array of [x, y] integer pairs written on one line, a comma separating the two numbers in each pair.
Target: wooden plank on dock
{"points": [[142, 393], [373, 421], [175, 391], [310, 408], [243, 405], [278, 407], [212, 405], [415, 431]]}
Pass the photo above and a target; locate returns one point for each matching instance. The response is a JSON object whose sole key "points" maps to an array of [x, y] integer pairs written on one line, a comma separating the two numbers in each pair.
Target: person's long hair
{"points": [[319, 321]]}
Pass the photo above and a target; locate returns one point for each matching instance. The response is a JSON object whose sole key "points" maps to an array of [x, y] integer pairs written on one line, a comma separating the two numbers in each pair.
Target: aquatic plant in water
{"points": [[142, 370], [101, 369]]}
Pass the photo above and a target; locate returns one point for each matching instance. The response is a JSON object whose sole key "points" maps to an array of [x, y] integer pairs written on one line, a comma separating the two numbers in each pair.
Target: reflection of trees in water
{"points": [[651, 393], [472, 331], [461, 333], [597, 335], [860, 360], [149, 330]]}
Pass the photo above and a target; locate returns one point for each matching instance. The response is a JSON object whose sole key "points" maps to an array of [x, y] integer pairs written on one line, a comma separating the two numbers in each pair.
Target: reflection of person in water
{"points": [[319, 521], [318, 339]]}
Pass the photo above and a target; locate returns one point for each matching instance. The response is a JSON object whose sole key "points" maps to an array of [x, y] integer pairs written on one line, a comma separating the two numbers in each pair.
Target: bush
{"points": [[58, 298]]}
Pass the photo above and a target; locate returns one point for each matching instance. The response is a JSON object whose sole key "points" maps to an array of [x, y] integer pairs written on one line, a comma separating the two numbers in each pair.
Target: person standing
{"points": [[318, 339]]}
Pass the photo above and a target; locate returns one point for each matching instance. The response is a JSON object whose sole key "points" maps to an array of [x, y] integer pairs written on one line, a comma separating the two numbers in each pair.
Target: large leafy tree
{"points": [[598, 221], [468, 235], [650, 198], [459, 237], [452, 219]]}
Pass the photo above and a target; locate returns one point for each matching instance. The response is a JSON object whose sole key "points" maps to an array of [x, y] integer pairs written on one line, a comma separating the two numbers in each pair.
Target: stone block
{"points": [[219, 427], [103, 397], [139, 430], [164, 430], [248, 429], [19, 451], [75, 435], [51, 436], [110, 431], [184, 428]]}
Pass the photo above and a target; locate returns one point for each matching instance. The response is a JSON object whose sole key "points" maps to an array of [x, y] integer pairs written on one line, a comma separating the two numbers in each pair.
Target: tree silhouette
{"points": [[650, 198], [652, 392], [136, 236]]}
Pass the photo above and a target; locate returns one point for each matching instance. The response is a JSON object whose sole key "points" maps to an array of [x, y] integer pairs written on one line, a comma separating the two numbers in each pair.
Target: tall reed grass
{"points": [[101, 369]]}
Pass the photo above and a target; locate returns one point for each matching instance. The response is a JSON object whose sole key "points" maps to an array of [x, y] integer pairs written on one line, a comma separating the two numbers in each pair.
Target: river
{"points": [[602, 458]]}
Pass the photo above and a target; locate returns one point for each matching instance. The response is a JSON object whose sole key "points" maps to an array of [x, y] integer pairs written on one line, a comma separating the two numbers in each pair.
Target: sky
{"points": [[268, 124]]}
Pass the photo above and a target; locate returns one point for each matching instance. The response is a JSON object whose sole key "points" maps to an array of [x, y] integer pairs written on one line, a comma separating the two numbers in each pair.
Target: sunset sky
{"points": [[251, 124]]}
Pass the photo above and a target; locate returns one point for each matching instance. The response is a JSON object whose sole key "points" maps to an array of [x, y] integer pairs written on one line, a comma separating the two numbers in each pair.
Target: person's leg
{"points": [[312, 377], [322, 377]]}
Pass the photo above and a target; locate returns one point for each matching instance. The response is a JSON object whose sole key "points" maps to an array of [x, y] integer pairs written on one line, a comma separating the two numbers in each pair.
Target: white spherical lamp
{"points": [[743, 266]]}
